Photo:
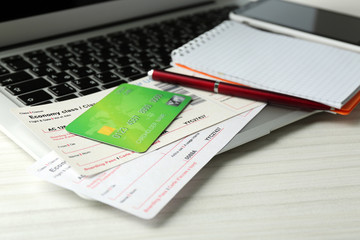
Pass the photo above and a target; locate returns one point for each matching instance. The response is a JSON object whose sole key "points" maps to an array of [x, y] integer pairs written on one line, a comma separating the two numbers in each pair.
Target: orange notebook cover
{"points": [[345, 110]]}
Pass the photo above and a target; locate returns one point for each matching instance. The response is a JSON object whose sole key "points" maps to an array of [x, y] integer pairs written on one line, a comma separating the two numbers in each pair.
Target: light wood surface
{"points": [[299, 182]]}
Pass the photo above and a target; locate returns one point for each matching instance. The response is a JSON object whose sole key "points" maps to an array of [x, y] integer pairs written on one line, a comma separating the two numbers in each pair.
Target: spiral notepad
{"points": [[268, 61]]}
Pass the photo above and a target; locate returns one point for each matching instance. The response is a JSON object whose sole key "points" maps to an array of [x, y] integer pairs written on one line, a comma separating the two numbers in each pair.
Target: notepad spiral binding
{"points": [[201, 40]]}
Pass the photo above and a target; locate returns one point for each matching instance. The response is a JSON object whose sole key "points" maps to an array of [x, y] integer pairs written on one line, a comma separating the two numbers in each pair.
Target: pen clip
{"points": [[216, 87]]}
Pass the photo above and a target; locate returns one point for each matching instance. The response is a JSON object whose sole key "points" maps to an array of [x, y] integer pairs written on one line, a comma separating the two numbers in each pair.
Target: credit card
{"points": [[130, 117]]}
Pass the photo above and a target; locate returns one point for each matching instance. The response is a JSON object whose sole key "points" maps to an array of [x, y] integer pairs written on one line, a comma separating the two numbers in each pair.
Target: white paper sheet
{"points": [[89, 157], [142, 187]]}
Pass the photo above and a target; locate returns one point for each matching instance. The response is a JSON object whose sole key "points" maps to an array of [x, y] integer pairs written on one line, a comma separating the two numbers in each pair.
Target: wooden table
{"points": [[299, 182]]}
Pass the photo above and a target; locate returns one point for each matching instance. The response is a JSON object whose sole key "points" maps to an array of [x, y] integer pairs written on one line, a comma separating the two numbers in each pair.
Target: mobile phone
{"points": [[302, 21]]}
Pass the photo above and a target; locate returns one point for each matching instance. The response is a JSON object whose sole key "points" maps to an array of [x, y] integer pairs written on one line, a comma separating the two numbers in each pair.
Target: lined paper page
{"points": [[278, 63]]}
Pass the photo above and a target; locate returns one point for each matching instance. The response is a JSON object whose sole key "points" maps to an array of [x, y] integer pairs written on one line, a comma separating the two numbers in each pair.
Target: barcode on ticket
{"points": [[180, 90]]}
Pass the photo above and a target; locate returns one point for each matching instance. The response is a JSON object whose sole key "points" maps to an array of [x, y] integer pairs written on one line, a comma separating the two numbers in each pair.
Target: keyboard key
{"points": [[141, 56], [127, 71], [60, 52], [64, 65], [147, 65], [28, 86], [80, 47], [38, 57], [102, 66], [67, 97], [86, 59], [62, 89], [34, 97], [114, 84], [14, 78], [124, 49], [160, 52], [136, 77], [89, 91], [82, 72], [163, 60], [42, 70], [106, 77], [11, 58], [3, 70], [123, 61], [60, 77], [135, 34], [100, 43], [16, 63], [119, 40], [85, 83], [117, 36], [43, 103], [105, 54]]}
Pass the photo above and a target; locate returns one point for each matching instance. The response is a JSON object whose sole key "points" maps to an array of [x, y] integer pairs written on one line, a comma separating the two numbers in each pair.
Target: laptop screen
{"points": [[32, 8], [49, 18]]}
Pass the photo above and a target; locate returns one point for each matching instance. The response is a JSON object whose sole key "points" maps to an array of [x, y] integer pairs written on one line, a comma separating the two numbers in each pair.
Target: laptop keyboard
{"points": [[87, 66]]}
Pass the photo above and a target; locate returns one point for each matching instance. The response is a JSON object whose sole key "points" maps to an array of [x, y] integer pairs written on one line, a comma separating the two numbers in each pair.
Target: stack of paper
{"points": [[144, 185]]}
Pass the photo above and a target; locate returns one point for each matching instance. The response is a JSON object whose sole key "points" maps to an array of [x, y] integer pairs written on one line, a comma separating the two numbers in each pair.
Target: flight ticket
{"points": [[88, 157]]}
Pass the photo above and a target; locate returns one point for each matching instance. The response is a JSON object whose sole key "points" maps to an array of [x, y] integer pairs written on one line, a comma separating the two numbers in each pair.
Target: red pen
{"points": [[236, 90]]}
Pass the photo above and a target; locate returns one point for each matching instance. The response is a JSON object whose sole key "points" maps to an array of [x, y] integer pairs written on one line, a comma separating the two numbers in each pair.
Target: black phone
{"points": [[302, 21]]}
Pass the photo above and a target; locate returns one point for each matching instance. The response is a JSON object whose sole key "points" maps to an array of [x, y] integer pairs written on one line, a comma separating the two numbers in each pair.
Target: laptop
{"points": [[67, 49]]}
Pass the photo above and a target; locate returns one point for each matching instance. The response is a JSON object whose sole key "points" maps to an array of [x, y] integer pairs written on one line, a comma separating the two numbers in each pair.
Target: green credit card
{"points": [[130, 117]]}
